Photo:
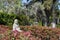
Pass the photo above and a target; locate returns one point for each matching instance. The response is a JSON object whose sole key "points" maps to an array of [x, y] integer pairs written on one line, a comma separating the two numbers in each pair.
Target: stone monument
{"points": [[53, 24]]}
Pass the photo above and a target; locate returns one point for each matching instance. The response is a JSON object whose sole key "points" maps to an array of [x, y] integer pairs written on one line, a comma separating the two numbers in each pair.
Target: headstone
{"points": [[58, 20], [35, 23], [53, 24], [45, 24], [16, 26], [44, 21]]}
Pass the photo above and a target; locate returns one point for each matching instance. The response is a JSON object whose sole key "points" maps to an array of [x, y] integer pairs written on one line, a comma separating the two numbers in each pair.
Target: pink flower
{"points": [[27, 34], [15, 33], [33, 38]]}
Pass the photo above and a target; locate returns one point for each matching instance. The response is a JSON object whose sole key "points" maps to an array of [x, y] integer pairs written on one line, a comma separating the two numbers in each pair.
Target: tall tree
{"points": [[10, 5]]}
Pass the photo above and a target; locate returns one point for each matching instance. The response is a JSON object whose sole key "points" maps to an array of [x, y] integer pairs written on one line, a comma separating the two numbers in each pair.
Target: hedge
{"points": [[8, 19]]}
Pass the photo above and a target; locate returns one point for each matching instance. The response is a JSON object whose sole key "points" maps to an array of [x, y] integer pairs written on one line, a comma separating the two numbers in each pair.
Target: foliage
{"points": [[44, 33], [8, 19], [30, 33], [40, 9], [10, 6]]}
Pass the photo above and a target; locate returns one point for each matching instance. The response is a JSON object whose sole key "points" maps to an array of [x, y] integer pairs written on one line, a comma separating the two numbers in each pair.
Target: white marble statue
{"points": [[16, 26]]}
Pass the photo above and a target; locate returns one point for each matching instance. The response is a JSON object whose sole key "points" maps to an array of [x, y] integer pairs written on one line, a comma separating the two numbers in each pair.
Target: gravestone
{"points": [[35, 23], [45, 24], [53, 24], [16, 26], [44, 21]]}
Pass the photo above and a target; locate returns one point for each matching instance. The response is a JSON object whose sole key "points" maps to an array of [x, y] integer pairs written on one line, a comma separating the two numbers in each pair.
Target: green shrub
{"points": [[8, 19]]}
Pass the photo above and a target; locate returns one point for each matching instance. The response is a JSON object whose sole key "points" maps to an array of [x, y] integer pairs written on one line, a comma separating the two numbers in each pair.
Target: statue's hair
{"points": [[15, 20]]}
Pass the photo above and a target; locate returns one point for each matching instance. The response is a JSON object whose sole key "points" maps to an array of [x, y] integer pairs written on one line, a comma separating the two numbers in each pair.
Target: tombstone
{"points": [[53, 24], [44, 21], [35, 22], [45, 24], [16, 26]]}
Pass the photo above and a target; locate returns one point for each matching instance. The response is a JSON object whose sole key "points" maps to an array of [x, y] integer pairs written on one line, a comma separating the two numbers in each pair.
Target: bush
{"points": [[44, 33], [8, 19], [30, 33]]}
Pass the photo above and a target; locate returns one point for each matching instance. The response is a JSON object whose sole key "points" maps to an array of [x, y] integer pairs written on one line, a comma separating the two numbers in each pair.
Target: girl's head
{"points": [[16, 21]]}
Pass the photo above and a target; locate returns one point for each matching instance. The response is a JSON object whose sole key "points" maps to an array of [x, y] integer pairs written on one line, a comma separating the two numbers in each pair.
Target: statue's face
{"points": [[16, 21]]}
